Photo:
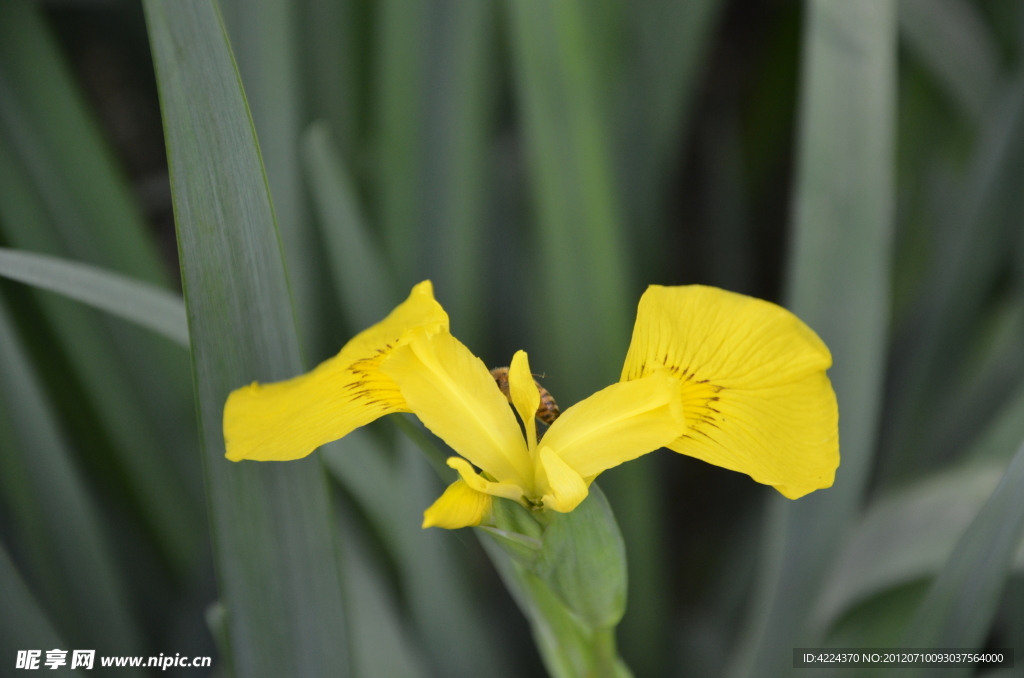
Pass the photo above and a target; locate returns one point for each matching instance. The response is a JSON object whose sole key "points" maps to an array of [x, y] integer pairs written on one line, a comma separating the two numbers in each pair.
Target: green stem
{"points": [[605, 655]]}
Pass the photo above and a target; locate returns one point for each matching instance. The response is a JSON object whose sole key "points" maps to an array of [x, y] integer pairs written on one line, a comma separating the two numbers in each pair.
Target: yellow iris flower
{"points": [[732, 380]]}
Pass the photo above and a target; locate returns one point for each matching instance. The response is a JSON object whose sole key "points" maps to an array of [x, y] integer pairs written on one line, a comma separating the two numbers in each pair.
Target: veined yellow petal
{"points": [[525, 395], [754, 388], [289, 419], [455, 396], [784, 436], [563, 489], [618, 423], [459, 506], [420, 309], [480, 484]]}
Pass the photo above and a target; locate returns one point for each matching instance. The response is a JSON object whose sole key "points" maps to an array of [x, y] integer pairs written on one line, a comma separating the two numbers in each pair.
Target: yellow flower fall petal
{"points": [[617, 424], [753, 384], [525, 395], [289, 419], [459, 506], [562, 487], [455, 396], [480, 484]]}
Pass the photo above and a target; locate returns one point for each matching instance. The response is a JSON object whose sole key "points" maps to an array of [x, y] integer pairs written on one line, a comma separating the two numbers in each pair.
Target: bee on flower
{"points": [[735, 381], [548, 410]]}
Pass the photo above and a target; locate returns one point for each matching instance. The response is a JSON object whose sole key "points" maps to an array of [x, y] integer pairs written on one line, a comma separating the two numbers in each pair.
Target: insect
{"points": [[548, 410]]}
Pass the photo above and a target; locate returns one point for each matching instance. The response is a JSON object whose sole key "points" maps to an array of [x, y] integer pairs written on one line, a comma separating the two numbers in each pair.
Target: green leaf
{"points": [[983, 384], [217, 623], [381, 646], [838, 284], [655, 95], [139, 302], [878, 621], [265, 43], [973, 236], [999, 441], [905, 537], [138, 385], [361, 277], [561, 66], [953, 42], [99, 220], [54, 520], [272, 524], [435, 98], [436, 586], [582, 247], [960, 606], [334, 33], [23, 623]]}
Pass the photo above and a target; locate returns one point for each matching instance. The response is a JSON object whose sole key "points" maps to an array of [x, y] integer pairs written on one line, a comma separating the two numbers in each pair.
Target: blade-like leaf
{"points": [[953, 42], [584, 270], [272, 523], [659, 81], [361, 277], [100, 222], [264, 40], [839, 284], [958, 610], [391, 496], [878, 621], [906, 537], [93, 218], [381, 645], [435, 96], [125, 415], [54, 520], [332, 46], [435, 585], [134, 300], [23, 623], [909, 534], [559, 62], [983, 384], [972, 239]]}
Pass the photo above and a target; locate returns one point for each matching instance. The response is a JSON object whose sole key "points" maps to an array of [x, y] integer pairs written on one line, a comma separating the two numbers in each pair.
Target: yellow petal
{"points": [[480, 484], [618, 423], [459, 506], [455, 396], [754, 388], [289, 419], [563, 489], [525, 395]]}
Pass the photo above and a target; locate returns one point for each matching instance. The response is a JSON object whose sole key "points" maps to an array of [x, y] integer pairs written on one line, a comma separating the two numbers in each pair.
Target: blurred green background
{"points": [[860, 162]]}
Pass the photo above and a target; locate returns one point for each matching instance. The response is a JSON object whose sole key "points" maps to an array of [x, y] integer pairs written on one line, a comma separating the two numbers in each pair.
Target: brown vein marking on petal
{"points": [[700, 398], [369, 386]]}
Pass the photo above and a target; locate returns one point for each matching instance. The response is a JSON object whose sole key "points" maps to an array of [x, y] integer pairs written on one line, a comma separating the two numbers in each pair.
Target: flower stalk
{"points": [[579, 562]]}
